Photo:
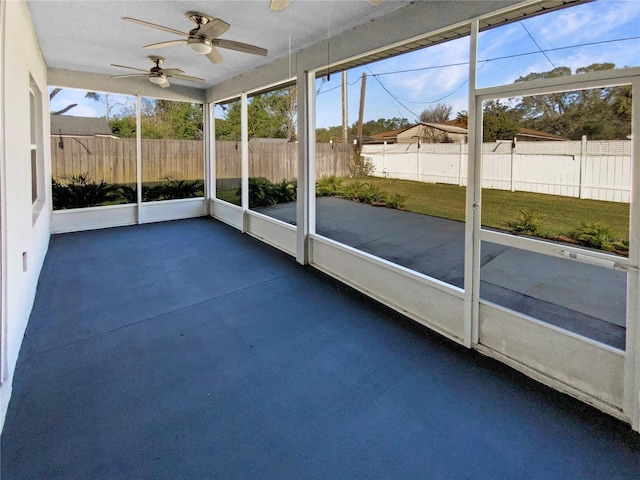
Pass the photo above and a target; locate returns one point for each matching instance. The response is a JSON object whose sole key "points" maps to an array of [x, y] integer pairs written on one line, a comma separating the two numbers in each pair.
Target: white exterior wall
{"points": [[20, 60]]}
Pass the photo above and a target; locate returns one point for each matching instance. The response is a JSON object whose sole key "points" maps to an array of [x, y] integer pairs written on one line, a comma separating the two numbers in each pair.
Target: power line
{"points": [[318, 92], [534, 41], [510, 56], [484, 63], [393, 96], [445, 96]]}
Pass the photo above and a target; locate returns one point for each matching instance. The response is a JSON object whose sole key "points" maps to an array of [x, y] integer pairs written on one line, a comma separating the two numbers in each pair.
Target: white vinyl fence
{"points": [[598, 170]]}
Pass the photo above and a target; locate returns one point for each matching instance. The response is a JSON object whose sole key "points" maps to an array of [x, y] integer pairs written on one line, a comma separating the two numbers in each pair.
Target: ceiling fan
{"points": [[203, 39], [159, 76], [279, 5]]}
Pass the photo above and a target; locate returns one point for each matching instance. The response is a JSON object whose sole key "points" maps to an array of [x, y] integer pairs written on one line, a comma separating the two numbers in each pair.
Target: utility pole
{"points": [[361, 115], [345, 114]]}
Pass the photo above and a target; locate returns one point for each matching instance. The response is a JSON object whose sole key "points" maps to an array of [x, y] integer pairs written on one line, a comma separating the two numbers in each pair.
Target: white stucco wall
{"points": [[20, 61]]}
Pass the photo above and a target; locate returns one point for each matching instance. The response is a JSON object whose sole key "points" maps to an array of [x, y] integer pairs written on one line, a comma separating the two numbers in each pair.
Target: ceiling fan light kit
{"points": [[158, 80], [158, 75], [201, 46], [203, 38]]}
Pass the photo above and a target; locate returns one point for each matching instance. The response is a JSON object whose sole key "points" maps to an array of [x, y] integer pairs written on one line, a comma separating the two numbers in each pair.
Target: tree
{"points": [[324, 135], [271, 115], [109, 102], [52, 94], [381, 125], [498, 122], [437, 114], [161, 119], [123, 127], [600, 114]]}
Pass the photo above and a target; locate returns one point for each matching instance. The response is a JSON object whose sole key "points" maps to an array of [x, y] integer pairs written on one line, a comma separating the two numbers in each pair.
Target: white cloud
{"points": [[436, 79], [589, 22]]}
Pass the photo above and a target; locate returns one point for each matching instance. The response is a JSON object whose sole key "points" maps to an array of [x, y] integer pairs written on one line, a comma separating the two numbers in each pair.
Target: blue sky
{"points": [[404, 86], [440, 73]]}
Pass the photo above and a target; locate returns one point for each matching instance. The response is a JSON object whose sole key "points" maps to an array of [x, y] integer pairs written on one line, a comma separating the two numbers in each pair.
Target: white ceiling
{"points": [[91, 35]]}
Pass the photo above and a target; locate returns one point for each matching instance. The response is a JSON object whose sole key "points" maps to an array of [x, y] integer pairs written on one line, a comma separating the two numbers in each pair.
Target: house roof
{"points": [[527, 132], [392, 135], [79, 126], [523, 132], [446, 127]]}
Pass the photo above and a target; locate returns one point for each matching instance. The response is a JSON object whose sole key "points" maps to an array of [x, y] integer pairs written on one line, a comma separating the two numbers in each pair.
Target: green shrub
{"points": [[396, 200], [328, 186], [353, 191], [81, 191], [263, 193], [173, 187], [128, 193], [594, 235], [361, 166], [621, 246], [372, 195], [286, 191], [527, 222]]}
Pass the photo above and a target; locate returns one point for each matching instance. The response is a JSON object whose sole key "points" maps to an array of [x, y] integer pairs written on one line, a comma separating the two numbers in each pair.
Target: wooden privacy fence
{"points": [[114, 159], [277, 161], [596, 169], [599, 170]]}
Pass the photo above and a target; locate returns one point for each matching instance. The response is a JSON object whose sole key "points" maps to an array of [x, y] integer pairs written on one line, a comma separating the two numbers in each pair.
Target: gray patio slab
{"points": [[599, 292], [238, 363], [585, 299]]}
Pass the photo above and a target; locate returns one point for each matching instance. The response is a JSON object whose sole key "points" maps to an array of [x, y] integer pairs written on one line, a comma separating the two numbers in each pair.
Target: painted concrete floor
{"points": [[185, 350], [585, 299]]}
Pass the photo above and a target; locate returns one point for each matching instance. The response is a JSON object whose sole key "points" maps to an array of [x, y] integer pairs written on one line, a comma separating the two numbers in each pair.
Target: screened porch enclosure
{"points": [[308, 265], [189, 350]]}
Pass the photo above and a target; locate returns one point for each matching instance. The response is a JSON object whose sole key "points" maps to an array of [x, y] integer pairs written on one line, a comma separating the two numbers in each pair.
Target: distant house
{"points": [[389, 137], [524, 134], [528, 135], [451, 131], [423, 132], [70, 126]]}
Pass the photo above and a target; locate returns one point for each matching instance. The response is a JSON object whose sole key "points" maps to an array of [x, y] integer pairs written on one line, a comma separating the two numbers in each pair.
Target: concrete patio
{"points": [[584, 299], [186, 350]]}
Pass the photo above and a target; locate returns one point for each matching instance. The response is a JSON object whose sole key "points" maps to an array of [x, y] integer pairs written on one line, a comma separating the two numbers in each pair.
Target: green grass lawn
{"points": [[560, 215], [228, 195]]}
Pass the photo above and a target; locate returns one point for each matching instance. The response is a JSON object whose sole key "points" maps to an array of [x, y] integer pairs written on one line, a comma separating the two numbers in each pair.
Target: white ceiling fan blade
{"points": [[239, 46], [130, 68], [213, 28], [375, 2], [189, 78], [153, 25], [170, 43], [131, 75], [214, 56], [278, 5], [172, 71]]}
